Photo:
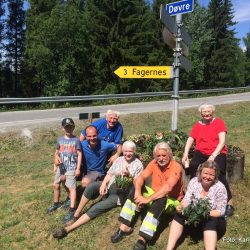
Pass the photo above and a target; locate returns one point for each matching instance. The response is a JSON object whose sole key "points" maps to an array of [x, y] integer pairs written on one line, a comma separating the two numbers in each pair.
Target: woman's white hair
{"points": [[164, 146], [129, 144], [111, 112], [206, 105]]}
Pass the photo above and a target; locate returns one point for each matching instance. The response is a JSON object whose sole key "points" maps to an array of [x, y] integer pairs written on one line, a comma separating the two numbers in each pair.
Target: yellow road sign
{"points": [[144, 72]]}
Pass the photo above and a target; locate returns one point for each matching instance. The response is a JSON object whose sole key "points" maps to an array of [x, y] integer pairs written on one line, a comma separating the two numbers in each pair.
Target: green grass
{"points": [[26, 176]]}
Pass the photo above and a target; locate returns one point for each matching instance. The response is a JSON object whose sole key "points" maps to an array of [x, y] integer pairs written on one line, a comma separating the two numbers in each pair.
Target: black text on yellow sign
{"points": [[162, 72]]}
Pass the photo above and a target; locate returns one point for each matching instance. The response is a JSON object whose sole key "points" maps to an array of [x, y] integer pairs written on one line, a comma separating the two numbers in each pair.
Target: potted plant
{"points": [[235, 163]]}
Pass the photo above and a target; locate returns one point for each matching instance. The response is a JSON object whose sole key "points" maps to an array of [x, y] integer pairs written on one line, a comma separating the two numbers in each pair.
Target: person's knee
{"points": [[56, 186], [85, 182]]}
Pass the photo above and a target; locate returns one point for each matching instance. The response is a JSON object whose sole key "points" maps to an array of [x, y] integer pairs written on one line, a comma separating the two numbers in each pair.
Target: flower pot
{"points": [[235, 168]]}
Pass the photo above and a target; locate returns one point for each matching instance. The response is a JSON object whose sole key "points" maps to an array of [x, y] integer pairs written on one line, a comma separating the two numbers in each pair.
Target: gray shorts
{"points": [[92, 176], [70, 180]]}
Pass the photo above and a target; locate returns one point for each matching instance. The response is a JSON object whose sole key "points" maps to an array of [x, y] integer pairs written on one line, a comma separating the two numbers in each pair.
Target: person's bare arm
{"points": [[79, 162], [82, 137], [189, 144], [116, 155], [220, 146], [104, 186], [57, 160]]}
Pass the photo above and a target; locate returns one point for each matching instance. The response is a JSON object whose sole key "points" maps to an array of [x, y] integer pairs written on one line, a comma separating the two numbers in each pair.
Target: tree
{"points": [[1, 27], [197, 25], [161, 53], [15, 42], [247, 58], [1, 47], [121, 33], [223, 55], [57, 53]]}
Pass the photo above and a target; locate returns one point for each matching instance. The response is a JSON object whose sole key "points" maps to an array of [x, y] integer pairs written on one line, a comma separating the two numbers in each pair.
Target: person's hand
{"points": [[103, 189], [112, 159], [124, 172], [215, 213], [185, 161], [140, 201], [57, 160], [77, 172], [179, 209], [211, 158]]}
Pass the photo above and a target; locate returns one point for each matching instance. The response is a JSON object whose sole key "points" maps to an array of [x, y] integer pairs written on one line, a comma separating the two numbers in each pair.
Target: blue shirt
{"points": [[110, 135], [95, 158]]}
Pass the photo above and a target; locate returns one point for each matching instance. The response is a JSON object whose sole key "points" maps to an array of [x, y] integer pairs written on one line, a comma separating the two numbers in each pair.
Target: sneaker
{"points": [[229, 211], [54, 207], [140, 245], [119, 234], [60, 233], [67, 203], [70, 222], [69, 216]]}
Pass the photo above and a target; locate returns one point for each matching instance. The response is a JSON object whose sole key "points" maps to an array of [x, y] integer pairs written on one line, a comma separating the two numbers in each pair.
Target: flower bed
{"points": [[145, 144]]}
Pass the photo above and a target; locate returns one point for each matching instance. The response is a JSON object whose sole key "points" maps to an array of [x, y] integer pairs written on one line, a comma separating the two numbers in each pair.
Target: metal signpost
{"points": [[175, 36]]}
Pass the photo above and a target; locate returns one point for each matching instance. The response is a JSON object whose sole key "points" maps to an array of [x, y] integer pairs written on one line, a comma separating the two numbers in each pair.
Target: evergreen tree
{"points": [[223, 56], [15, 42], [161, 53], [247, 59], [1, 48], [56, 52], [121, 33], [38, 57], [197, 25], [1, 27]]}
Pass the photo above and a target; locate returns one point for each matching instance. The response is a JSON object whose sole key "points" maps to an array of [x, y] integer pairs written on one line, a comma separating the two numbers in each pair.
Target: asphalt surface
{"points": [[18, 120]]}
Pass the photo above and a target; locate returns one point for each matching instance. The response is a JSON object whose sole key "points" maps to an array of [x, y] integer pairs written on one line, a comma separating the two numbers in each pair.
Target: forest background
{"points": [[60, 47]]}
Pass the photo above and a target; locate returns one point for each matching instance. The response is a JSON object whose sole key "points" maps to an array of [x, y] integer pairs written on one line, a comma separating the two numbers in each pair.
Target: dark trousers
{"points": [[154, 212], [199, 158]]}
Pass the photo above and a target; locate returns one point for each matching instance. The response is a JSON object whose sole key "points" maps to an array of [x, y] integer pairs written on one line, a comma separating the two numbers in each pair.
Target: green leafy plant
{"points": [[123, 182], [196, 211], [234, 151], [145, 143]]}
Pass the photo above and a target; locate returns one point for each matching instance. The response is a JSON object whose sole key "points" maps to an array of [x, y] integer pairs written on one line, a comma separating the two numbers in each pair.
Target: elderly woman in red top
{"points": [[209, 135]]}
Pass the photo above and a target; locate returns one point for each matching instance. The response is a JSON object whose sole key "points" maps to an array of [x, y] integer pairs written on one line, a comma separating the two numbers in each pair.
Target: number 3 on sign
{"points": [[125, 72]]}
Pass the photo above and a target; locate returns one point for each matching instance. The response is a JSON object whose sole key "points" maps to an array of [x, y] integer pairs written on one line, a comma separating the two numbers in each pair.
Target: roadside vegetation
{"points": [[26, 176]]}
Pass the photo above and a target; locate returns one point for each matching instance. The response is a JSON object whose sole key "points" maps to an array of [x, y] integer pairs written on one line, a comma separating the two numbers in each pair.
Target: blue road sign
{"points": [[180, 7]]}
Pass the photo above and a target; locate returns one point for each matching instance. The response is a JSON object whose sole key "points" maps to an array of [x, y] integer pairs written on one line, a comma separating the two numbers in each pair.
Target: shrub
{"points": [[234, 151], [197, 211], [145, 143]]}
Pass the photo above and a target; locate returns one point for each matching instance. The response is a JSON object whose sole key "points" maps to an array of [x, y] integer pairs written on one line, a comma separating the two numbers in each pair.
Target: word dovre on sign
{"points": [[144, 72], [180, 7]]}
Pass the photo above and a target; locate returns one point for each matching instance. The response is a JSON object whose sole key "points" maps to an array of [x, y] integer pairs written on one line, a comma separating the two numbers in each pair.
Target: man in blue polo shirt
{"points": [[110, 130], [95, 154]]}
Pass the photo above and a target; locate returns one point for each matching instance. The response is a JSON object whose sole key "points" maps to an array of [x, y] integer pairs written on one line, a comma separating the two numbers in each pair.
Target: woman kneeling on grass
{"points": [[204, 186], [126, 165]]}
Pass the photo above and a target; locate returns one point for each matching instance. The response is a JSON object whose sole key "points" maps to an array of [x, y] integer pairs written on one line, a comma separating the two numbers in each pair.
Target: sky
{"points": [[241, 16]]}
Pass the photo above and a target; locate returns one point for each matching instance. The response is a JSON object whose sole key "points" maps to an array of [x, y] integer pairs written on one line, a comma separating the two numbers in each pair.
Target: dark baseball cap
{"points": [[67, 122]]}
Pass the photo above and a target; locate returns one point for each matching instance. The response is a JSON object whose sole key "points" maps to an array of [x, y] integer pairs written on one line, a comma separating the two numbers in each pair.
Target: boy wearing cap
{"points": [[68, 158]]}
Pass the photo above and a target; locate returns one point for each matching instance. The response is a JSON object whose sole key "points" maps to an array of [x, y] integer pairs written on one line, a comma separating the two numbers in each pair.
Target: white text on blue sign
{"points": [[180, 7]]}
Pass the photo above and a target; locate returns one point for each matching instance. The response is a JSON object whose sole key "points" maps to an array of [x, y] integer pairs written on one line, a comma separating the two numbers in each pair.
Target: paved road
{"points": [[34, 118]]}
